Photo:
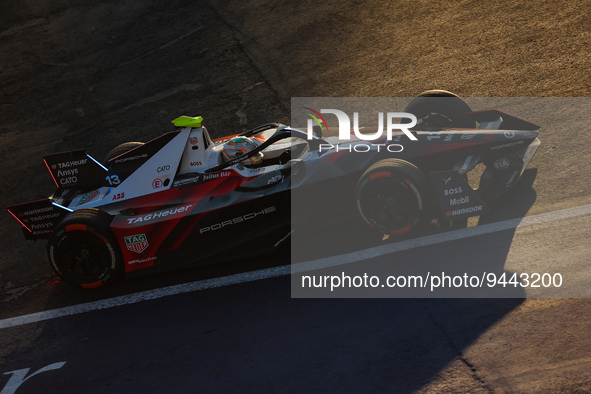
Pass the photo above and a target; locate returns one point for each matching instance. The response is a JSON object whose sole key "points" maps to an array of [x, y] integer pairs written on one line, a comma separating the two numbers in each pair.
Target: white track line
{"points": [[297, 268]]}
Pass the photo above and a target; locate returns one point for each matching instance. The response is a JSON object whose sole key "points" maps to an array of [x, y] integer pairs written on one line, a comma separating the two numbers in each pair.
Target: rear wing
{"points": [[38, 218], [69, 170], [75, 170]]}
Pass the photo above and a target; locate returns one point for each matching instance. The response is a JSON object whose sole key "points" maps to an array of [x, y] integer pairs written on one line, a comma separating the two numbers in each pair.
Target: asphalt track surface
{"points": [[252, 336], [75, 71]]}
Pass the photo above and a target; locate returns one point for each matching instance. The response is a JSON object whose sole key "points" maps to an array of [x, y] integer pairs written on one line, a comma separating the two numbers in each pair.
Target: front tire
{"points": [[392, 197], [83, 251]]}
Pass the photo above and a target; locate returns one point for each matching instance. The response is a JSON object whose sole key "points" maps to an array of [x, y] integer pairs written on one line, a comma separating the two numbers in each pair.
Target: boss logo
{"points": [[455, 190]]}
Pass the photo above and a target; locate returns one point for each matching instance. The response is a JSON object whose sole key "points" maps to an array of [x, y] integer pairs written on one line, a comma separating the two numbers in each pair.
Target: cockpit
{"points": [[274, 144]]}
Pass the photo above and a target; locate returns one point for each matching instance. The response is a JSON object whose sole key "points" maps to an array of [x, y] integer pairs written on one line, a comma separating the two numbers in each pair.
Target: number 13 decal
{"points": [[113, 180]]}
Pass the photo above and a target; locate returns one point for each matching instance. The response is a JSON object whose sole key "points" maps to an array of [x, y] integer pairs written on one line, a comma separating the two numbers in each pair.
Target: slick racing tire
{"points": [[121, 149], [438, 109], [83, 251], [392, 197]]}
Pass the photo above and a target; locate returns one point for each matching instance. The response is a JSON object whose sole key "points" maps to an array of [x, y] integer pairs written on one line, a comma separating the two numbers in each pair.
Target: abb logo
{"points": [[118, 196]]}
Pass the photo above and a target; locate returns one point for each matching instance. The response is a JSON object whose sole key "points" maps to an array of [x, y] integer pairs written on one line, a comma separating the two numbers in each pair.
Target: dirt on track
{"points": [[499, 48], [86, 74]]}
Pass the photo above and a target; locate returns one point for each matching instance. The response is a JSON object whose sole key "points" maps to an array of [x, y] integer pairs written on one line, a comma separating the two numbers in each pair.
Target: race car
{"points": [[184, 198]]}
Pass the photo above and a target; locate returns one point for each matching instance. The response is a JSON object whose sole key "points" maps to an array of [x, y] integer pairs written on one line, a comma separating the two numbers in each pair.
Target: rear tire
{"points": [[393, 197], [121, 149], [438, 109], [83, 251]]}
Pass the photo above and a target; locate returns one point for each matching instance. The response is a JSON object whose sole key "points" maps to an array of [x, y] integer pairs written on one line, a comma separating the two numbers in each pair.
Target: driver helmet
{"points": [[239, 146]]}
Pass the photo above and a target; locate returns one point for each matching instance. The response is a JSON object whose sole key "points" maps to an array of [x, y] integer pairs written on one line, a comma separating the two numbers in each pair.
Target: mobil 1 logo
{"points": [[456, 197]]}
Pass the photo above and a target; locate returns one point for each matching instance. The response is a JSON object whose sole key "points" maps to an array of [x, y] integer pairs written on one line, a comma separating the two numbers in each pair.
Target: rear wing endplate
{"points": [[75, 170], [38, 218]]}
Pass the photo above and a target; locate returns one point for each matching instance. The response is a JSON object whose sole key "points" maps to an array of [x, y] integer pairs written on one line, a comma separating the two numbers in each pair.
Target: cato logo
{"points": [[136, 243], [345, 124]]}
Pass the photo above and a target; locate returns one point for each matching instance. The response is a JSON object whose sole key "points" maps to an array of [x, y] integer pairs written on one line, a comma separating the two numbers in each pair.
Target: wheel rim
{"points": [[390, 204], [84, 256]]}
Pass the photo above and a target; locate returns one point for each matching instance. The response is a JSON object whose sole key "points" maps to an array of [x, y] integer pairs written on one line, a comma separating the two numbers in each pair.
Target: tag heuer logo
{"points": [[136, 243]]}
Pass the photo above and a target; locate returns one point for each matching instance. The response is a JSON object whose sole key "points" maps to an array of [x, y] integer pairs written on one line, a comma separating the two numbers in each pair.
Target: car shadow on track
{"points": [[414, 342]]}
